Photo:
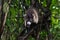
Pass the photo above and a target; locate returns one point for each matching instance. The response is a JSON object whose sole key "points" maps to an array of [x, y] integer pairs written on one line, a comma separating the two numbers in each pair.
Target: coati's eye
{"points": [[29, 15]]}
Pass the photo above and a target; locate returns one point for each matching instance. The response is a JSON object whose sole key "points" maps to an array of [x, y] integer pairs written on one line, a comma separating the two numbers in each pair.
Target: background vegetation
{"points": [[14, 23]]}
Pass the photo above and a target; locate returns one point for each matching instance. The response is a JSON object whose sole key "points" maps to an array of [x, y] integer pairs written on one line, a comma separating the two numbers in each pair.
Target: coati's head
{"points": [[31, 16]]}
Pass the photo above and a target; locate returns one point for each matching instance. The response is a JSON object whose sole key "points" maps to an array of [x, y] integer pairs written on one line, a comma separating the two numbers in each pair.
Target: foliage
{"points": [[14, 22]]}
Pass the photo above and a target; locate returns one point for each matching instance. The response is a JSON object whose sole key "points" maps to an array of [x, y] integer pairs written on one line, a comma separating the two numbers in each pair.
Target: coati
{"points": [[30, 17], [31, 20]]}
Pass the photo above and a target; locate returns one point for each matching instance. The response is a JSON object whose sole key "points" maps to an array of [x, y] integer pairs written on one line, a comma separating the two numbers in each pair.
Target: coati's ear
{"points": [[35, 16]]}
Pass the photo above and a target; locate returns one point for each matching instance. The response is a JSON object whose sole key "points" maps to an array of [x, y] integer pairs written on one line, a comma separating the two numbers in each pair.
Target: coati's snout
{"points": [[31, 16]]}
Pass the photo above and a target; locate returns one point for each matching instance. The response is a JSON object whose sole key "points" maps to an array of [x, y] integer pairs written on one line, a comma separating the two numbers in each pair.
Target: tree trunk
{"points": [[1, 11]]}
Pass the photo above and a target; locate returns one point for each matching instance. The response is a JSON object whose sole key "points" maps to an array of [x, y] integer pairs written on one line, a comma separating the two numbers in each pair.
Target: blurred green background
{"points": [[14, 23]]}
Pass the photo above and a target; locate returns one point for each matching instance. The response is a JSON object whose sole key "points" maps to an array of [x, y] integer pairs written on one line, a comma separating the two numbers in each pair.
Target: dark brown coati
{"points": [[31, 20], [31, 16]]}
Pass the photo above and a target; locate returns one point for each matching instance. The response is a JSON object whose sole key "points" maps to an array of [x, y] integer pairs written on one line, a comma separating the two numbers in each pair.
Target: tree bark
{"points": [[1, 11]]}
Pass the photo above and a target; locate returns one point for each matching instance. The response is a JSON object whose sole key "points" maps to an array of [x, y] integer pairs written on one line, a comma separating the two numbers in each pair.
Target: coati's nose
{"points": [[28, 23]]}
